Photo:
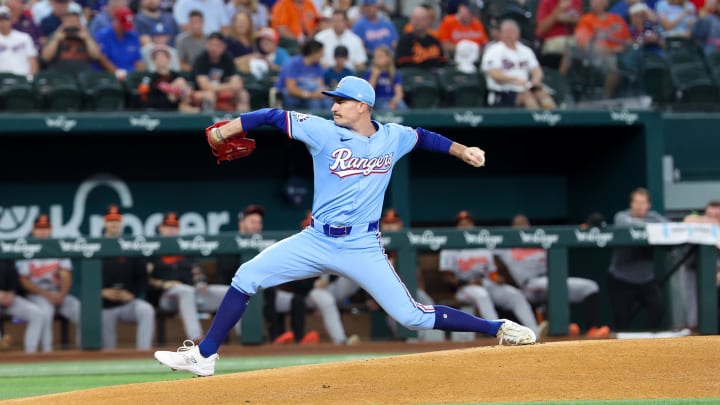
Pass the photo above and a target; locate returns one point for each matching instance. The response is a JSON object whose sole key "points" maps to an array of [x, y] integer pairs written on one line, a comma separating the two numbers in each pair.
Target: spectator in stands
{"points": [[677, 17], [268, 57], [124, 284], [294, 19], [22, 21], [104, 19], [13, 304], [527, 269], [514, 76], [72, 49], [631, 280], [555, 24], [418, 48], [47, 282], [707, 30], [600, 37], [151, 18], [159, 38], [301, 80], [339, 69], [120, 42], [622, 8], [710, 215], [432, 11], [462, 25], [338, 34], [50, 23], [179, 283], [191, 42], [644, 32], [216, 76], [17, 50], [168, 90], [386, 80], [373, 29], [241, 41], [258, 11], [473, 274], [43, 8], [352, 11], [215, 17]]}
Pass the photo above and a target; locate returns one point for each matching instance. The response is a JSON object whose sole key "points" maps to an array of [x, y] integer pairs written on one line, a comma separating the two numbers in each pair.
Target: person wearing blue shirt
{"points": [[151, 18], [120, 43], [335, 73], [301, 80], [373, 29]]}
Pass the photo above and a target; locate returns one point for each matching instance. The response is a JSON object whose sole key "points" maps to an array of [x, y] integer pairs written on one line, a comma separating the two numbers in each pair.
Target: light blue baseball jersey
{"points": [[351, 175], [351, 171]]}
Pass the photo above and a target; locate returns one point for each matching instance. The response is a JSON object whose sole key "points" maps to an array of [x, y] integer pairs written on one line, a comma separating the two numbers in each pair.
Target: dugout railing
{"points": [[557, 240]]}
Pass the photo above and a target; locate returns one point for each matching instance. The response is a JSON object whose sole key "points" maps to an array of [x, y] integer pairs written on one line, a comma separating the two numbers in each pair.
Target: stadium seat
{"points": [[16, 93], [556, 85], [695, 89], [58, 91], [461, 89], [656, 80], [683, 50], [259, 90], [421, 87], [102, 91]]}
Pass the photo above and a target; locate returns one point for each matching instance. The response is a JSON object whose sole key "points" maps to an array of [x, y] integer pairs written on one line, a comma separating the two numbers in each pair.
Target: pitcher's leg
{"points": [[300, 256]]}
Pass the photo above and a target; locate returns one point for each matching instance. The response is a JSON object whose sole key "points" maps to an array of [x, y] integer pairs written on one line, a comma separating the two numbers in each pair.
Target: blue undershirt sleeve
{"points": [[432, 141], [264, 116]]}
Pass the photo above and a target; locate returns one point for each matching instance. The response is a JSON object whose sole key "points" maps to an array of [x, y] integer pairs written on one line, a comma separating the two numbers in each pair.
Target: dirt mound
{"points": [[686, 367]]}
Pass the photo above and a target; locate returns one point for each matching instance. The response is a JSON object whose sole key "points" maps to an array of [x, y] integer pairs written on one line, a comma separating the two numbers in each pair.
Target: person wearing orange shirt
{"points": [[462, 25], [295, 19], [601, 36]]}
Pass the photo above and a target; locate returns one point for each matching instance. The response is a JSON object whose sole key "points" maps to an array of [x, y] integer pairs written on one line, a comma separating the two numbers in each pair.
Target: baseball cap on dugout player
{"points": [[170, 219], [113, 214], [42, 222], [354, 88]]}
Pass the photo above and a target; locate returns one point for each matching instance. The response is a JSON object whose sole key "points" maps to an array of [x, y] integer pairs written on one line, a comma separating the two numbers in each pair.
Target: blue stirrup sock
{"points": [[451, 319], [228, 314]]}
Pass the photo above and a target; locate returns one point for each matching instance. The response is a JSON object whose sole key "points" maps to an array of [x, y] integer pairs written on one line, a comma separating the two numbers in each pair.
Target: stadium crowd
{"points": [[234, 55]]}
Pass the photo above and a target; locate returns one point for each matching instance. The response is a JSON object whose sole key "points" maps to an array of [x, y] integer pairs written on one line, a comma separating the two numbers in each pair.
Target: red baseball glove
{"points": [[239, 146]]}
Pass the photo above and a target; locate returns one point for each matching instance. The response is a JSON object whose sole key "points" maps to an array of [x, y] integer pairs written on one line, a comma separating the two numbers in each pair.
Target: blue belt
{"points": [[335, 231]]}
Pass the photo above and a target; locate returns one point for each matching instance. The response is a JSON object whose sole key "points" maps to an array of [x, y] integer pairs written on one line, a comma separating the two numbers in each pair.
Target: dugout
{"points": [[555, 167]]}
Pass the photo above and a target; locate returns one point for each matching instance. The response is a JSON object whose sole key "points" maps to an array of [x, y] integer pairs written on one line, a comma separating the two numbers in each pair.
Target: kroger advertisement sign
{"points": [[78, 211]]}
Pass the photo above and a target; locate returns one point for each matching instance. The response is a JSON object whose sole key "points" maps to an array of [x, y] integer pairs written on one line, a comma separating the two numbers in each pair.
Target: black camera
{"points": [[71, 31]]}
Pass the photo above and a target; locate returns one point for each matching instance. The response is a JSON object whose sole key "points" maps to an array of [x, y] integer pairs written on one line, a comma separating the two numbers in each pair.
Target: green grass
{"points": [[32, 379]]}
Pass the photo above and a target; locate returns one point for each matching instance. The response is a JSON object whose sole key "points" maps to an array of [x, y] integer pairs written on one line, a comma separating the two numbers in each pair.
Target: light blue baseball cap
{"points": [[354, 88]]}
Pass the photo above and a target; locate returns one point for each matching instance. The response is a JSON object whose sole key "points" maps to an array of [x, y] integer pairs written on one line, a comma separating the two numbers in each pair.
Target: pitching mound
{"points": [[685, 367]]}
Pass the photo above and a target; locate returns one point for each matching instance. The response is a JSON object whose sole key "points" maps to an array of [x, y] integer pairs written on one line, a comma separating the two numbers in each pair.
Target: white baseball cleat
{"points": [[188, 358], [515, 334]]}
